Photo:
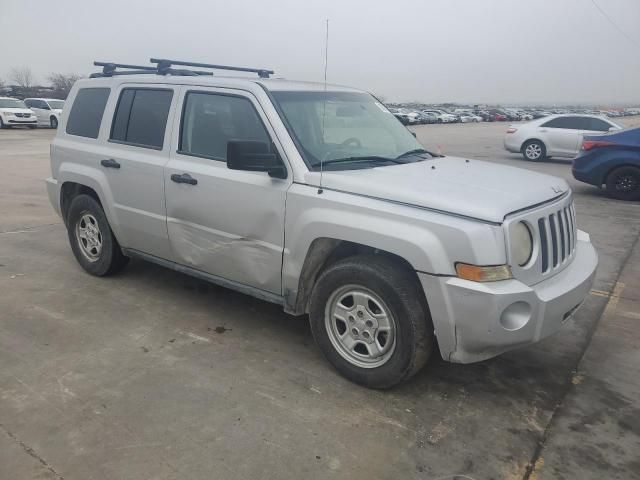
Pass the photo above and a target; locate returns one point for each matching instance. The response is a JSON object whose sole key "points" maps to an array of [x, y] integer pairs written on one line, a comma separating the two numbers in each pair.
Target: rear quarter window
{"points": [[86, 112]]}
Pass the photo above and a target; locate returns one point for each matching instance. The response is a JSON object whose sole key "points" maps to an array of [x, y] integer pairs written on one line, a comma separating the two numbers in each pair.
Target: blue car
{"points": [[612, 160]]}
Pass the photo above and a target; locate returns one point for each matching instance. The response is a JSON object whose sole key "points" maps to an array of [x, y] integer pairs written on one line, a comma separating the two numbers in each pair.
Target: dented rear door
{"points": [[223, 222]]}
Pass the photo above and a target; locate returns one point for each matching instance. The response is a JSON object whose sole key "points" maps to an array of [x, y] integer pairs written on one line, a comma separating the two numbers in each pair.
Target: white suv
{"points": [[47, 110], [316, 198]]}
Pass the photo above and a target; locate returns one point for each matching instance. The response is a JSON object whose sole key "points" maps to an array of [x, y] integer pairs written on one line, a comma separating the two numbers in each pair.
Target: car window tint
{"points": [[29, 103], [598, 125], [141, 117], [86, 113], [209, 121], [564, 122]]}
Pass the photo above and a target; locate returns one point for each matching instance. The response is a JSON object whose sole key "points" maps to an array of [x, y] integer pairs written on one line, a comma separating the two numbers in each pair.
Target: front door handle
{"points": [[184, 178], [109, 163]]}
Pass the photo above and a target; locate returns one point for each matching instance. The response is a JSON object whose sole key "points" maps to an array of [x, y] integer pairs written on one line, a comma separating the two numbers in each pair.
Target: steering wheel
{"points": [[352, 141]]}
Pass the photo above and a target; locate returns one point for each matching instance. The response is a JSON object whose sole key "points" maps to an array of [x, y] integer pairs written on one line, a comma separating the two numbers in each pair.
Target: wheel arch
{"points": [[324, 252], [610, 169], [533, 139]]}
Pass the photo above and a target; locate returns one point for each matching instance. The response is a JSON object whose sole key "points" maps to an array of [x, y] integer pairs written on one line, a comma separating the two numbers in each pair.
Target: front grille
{"points": [[557, 238], [23, 115]]}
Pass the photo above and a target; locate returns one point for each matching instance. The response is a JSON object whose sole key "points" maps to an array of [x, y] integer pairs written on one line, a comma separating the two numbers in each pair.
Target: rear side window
{"points": [[210, 120], [86, 113], [597, 125], [141, 117], [572, 123]]}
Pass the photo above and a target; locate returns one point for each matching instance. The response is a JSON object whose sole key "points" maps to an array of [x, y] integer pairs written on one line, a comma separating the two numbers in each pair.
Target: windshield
{"points": [[56, 104], [11, 103], [341, 127]]}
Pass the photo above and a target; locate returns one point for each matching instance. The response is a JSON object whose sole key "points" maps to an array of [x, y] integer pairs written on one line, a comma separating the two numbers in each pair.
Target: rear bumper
{"points": [[511, 144], [53, 190], [475, 321]]}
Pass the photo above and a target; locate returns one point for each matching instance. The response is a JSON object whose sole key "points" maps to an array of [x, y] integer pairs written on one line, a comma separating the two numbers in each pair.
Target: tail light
{"points": [[512, 130], [591, 144]]}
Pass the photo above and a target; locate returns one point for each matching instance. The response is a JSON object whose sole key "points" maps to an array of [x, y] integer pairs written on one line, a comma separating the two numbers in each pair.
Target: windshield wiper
{"points": [[417, 151], [366, 158]]}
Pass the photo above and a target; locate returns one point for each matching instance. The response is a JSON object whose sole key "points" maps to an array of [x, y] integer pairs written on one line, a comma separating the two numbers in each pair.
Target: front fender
{"points": [[430, 242]]}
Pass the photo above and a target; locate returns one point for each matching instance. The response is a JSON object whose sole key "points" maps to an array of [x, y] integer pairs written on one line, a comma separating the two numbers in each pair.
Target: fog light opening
{"points": [[515, 316]]}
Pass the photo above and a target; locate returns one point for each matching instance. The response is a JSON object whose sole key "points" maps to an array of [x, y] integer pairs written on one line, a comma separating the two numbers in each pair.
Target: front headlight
{"points": [[521, 243]]}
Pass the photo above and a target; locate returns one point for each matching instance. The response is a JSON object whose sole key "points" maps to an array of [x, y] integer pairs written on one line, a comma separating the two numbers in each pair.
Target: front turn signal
{"points": [[477, 273]]}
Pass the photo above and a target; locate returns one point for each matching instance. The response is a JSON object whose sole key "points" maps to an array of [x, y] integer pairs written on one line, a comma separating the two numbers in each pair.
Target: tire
{"points": [[2, 125], [53, 122], [98, 252], [534, 150], [361, 290], [623, 183]]}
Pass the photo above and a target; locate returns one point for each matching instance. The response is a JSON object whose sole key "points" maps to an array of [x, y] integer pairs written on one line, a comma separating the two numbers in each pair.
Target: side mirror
{"points": [[253, 156]]}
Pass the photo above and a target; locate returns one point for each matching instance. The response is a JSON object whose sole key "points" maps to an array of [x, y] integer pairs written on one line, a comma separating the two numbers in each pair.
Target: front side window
{"points": [[340, 127], [141, 117], [56, 104], [598, 125], [86, 113], [210, 120]]}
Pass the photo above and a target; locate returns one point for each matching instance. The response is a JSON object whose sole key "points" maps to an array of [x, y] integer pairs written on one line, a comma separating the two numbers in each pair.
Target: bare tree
{"points": [[22, 76], [62, 83]]}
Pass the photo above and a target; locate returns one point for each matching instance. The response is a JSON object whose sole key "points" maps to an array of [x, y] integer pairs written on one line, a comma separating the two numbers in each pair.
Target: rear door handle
{"points": [[109, 163], [184, 178]]}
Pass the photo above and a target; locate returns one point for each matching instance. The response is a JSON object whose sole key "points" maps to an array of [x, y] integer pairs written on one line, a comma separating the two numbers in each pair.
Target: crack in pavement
{"points": [[613, 297], [29, 229], [31, 452]]}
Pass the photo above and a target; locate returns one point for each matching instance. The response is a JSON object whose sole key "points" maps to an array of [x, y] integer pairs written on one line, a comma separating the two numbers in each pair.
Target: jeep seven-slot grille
{"points": [[557, 237]]}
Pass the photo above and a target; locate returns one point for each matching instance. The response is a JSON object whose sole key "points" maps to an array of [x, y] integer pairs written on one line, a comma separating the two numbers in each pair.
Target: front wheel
{"points": [[369, 317], [92, 241], [53, 121], [623, 183], [534, 150]]}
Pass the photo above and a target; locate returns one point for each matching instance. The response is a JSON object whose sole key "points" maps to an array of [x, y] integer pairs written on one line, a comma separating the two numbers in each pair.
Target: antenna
{"points": [[324, 102]]}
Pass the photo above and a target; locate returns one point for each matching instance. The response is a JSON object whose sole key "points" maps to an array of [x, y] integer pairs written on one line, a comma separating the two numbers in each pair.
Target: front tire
{"points": [[623, 183], [371, 321], [534, 150], [53, 122], [92, 241], [2, 125]]}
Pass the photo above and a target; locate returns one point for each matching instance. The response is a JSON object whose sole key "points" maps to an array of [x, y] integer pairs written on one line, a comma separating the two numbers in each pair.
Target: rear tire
{"points": [[371, 321], [623, 183], [92, 241], [534, 150]]}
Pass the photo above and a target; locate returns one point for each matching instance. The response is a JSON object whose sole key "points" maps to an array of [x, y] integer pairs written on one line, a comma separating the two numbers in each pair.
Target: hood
{"points": [[471, 188]]}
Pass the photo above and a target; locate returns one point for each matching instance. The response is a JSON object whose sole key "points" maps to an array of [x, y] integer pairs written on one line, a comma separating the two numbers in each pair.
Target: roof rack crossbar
{"points": [[109, 69], [164, 64]]}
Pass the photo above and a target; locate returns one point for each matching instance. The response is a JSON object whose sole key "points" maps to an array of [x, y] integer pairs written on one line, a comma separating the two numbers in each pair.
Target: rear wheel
{"points": [[371, 321], [623, 183], [53, 121], [534, 150], [92, 241]]}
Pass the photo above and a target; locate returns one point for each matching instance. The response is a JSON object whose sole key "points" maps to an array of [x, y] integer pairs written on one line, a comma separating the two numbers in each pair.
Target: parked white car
{"points": [[469, 118], [14, 112], [555, 135], [47, 110], [316, 198], [442, 116]]}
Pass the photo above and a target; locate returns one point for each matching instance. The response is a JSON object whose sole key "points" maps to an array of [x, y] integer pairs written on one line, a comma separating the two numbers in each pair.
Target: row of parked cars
{"points": [[410, 116], [30, 112]]}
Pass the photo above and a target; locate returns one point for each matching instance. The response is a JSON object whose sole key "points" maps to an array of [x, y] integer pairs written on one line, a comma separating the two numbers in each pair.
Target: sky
{"points": [[477, 51]]}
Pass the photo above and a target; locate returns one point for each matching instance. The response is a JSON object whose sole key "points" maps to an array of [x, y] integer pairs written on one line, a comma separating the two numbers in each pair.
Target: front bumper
{"points": [[13, 120], [475, 321]]}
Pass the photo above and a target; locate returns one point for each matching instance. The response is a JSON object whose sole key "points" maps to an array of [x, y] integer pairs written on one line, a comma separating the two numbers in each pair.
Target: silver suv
{"points": [[316, 198]]}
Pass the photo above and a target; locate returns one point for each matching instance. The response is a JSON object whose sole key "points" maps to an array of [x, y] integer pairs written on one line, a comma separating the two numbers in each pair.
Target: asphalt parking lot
{"points": [[151, 374]]}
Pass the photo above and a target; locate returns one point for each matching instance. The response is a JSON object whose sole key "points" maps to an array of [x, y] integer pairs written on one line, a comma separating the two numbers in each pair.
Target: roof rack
{"points": [[165, 64], [109, 69]]}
